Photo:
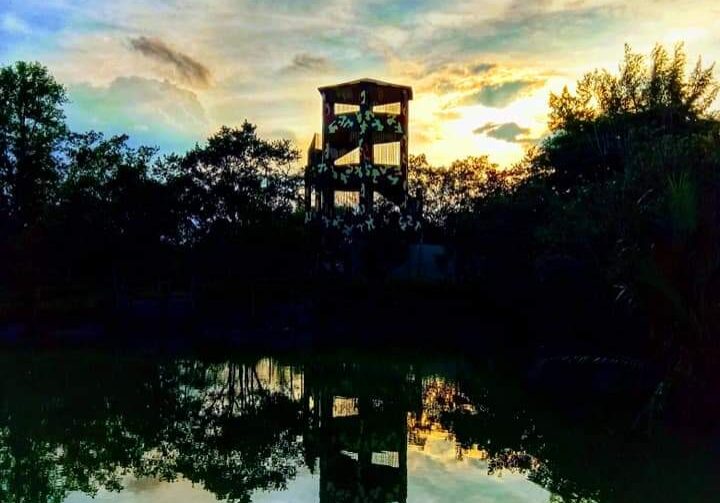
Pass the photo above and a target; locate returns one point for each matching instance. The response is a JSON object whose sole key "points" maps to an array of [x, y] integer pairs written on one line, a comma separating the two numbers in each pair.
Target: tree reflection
{"points": [[228, 432], [593, 457], [80, 424], [62, 428], [84, 422]]}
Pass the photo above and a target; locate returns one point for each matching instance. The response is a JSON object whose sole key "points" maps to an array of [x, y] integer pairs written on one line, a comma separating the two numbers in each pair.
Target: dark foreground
{"points": [[182, 425]]}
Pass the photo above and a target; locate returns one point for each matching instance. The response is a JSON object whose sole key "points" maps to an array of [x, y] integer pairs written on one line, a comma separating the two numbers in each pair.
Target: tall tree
{"points": [[110, 203], [235, 181], [631, 171], [595, 129], [32, 125]]}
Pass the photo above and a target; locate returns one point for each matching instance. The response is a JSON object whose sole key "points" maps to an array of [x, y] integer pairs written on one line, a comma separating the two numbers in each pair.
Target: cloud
{"points": [[481, 67], [152, 112], [10, 23], [443, 77], [502, 94], [188, 69], [447, 50], [307, 63], [448, 115], [509, 131]]}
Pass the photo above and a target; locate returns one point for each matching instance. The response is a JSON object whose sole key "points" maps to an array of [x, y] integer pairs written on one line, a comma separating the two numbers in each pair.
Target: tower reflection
{"points": [[357, 428]]}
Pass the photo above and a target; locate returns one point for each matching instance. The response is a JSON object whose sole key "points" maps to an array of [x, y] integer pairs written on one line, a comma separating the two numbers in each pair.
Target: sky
{"points": [[171, 72]]}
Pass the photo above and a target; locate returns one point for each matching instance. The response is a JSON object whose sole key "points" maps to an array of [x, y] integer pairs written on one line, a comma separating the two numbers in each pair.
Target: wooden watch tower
{"points": [[363, 151]]}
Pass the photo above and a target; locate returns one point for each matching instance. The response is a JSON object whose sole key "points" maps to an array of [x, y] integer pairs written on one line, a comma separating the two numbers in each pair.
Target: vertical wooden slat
{"points": [[328, 202], [404, 112], [366, 154]]}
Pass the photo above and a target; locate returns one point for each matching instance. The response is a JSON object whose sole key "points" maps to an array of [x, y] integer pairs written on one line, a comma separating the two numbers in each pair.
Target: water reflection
{"points": [[357, 429], [77, 424]]}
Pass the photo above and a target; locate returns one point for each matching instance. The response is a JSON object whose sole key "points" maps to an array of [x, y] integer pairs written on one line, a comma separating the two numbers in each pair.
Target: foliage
{"points": [[608, 116], [631, 174], [32, 126], [447, 191], [615, 211], [83, 208], [237, 180]]}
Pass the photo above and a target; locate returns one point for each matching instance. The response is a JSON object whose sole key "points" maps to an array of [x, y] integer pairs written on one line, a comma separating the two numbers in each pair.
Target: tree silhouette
{"points": [[596, 128], [237, 180], [32, 125]]}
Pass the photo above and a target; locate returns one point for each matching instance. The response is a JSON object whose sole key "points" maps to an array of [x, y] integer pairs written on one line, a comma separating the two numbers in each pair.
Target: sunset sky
{"points": [[170, 72]]}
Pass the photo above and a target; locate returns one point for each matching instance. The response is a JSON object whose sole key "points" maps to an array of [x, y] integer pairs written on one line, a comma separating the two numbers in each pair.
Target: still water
{"points": [[82, 426]]}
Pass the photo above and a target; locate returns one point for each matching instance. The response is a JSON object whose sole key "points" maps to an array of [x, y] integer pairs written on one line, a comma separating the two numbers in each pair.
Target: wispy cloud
{"points": [[445, 77], [307, 63], [188, 69], [510, 132], [448, 115], [470, 62], [502, 94]]}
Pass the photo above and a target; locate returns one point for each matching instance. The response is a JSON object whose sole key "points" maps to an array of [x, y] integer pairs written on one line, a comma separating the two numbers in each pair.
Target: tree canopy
{"points": [[32, 126]]}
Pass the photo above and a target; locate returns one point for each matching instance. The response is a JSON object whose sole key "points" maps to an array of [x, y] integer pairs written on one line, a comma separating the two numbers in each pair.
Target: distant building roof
{"points": [[376, 82]]}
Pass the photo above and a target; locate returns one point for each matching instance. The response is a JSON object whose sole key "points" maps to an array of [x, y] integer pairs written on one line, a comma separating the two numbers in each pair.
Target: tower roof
{"points": [[374, 82]]}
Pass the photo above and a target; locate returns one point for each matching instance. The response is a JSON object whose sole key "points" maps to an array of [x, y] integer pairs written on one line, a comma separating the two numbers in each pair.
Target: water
{"points": [[86, 426]]}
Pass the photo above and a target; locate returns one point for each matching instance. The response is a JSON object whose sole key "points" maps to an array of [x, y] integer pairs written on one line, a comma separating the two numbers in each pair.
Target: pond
{"points": [[81, 426]]}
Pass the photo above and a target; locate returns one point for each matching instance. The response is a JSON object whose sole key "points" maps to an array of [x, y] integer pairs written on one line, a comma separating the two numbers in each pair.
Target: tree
{"points": [[235, 181], [596, 163], [455, 189], [111, 206], [595, 129], [631, 170], [32, 126]]}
